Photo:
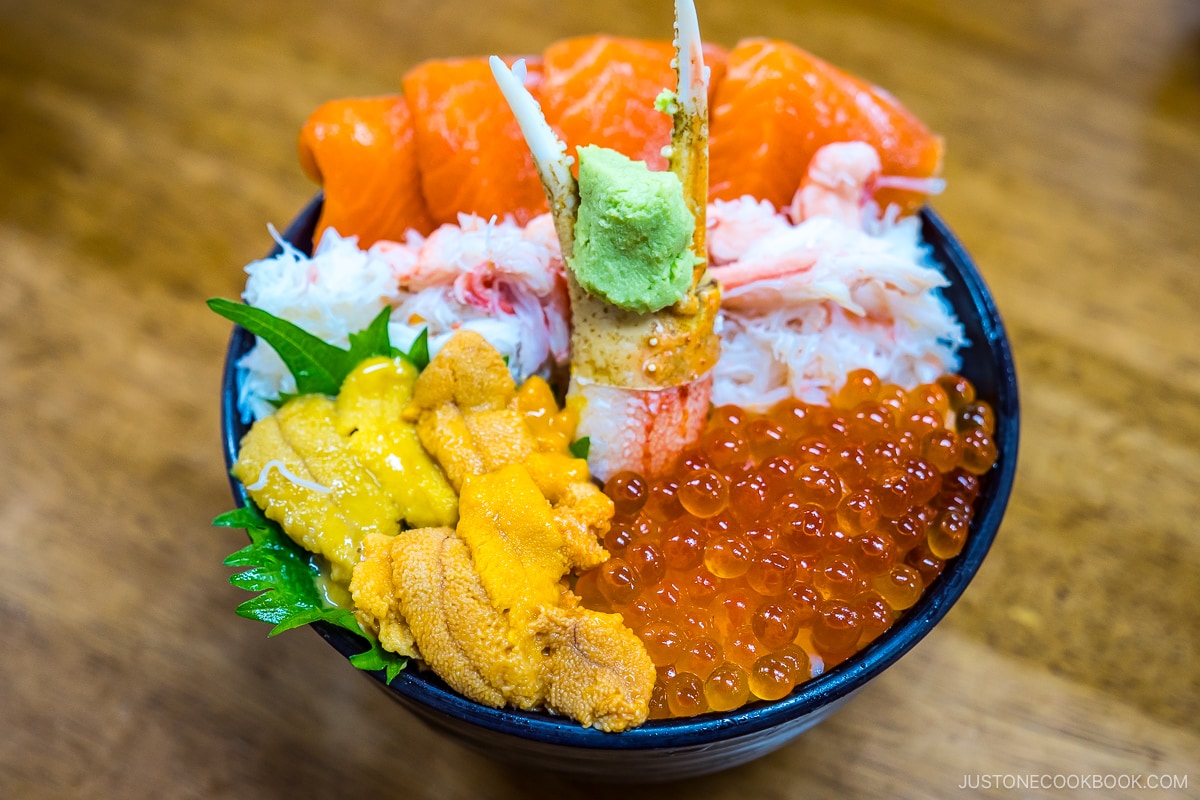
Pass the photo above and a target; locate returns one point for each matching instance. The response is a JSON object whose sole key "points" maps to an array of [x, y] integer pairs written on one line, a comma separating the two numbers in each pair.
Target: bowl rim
{"points": [[426, 689]]}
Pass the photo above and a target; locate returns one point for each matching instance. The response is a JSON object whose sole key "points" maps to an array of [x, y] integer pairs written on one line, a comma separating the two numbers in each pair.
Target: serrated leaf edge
{"points": [[264, 607]]}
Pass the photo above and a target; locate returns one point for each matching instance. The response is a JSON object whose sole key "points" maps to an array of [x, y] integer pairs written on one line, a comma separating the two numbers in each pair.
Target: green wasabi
{"points": [[633, 233]]}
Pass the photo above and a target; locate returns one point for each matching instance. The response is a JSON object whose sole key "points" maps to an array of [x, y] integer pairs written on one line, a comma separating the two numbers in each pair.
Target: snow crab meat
{"points": [[640, 430]]}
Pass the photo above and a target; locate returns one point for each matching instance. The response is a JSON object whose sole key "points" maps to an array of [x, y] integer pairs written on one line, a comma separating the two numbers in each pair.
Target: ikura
{"points": [[784, 542]]}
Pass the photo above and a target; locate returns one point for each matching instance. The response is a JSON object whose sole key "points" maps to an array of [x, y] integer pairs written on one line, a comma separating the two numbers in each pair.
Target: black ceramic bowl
{"points": [[670, 749]]}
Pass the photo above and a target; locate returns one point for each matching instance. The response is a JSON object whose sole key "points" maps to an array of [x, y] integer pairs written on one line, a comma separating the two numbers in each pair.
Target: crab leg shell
{"points": [[549, 153], [689, 132], [643, 376], [676, 346], [644, 380]]}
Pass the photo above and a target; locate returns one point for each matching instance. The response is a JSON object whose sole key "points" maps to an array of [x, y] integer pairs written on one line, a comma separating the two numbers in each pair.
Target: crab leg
{"points": [[689, 132], [640, 382], [549, 153]]}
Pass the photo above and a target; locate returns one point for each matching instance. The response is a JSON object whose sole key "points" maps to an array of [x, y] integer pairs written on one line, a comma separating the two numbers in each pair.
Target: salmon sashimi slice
{"points": [[601, 90], [471, 154], [362, 151], [778, 104]]}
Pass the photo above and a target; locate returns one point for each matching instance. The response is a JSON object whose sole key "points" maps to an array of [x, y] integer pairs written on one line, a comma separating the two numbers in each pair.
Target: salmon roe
{"points": [[782, 543]]}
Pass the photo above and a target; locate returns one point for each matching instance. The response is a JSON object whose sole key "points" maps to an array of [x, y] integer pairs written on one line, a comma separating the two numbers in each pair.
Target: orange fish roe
{"points": [[785, 542]]}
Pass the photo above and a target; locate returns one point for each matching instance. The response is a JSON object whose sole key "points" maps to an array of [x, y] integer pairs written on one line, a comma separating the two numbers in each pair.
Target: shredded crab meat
{"points": [[804, 303], [491, 276]]}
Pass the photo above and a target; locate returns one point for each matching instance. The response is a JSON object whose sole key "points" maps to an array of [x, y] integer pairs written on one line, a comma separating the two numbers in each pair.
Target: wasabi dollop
{"points": [[633, 233]]}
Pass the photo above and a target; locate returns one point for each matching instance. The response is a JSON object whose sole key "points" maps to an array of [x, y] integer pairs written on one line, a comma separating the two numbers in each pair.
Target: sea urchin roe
{"points": [[784, 542], [331, 471], [485, 604]]}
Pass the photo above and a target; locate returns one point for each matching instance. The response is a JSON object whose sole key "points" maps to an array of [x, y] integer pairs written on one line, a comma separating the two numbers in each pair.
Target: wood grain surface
{"points": [[144, 147]]}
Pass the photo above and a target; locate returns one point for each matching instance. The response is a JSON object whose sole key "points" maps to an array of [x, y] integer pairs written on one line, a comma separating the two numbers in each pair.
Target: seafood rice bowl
{"points": [[625, 450]]}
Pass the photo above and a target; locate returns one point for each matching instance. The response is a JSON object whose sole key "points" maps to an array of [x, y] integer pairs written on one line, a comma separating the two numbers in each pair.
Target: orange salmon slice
{"points": [[361, 150], [778, 104], [472, 157], [601, 90]]}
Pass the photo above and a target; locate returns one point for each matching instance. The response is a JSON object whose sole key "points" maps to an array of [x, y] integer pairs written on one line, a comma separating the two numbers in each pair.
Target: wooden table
{"points": [[145, 146]]}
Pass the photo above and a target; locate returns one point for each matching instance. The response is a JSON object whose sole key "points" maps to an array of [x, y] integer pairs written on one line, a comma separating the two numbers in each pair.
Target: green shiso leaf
{"points": [[581, 447], [244, 517], [286, 577], [377, 658], [369, 342], [418, 354], [317, 366]]}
